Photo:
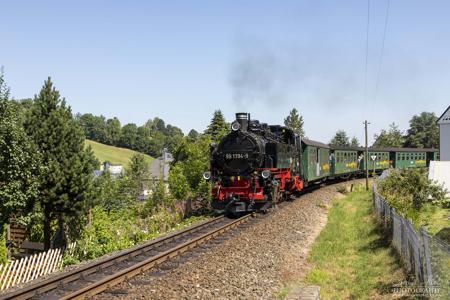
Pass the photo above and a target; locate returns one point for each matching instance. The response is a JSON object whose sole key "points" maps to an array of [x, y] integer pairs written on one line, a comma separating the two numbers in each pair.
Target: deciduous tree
{"points": [[113, 129], [129, 136], [423, 131], [20, 166], [389, 138]]}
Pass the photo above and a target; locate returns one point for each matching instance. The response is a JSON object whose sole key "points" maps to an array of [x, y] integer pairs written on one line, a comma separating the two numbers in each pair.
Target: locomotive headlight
{"points": [[265, 174], [235, 126], [207, 175]]}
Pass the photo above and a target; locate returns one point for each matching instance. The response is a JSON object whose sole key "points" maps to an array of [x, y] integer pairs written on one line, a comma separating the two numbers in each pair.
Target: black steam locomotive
{"points": [[254, 166]]}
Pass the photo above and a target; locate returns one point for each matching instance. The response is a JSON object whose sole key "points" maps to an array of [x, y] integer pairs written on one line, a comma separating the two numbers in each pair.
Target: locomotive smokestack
{"points": [[243, 119]]}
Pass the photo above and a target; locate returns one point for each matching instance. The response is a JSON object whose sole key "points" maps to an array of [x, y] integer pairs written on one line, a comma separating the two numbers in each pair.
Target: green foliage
{"points": [[113, 131], [129, 136], [150, 138], [4, 88], [389, 138], [295, 122], [179, 186], [218, 127], [3, 249], [409, 190], [94, 127], [123, 228], [68, 165], [19, 163], [113, 155], [340, 139], [112, 193], [138, 172], [193, 135], [354, 142], [423, 131], [191, 160]]}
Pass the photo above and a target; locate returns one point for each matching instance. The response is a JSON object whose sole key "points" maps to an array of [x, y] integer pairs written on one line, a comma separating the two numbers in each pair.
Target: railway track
{"points": [[98, 276]]}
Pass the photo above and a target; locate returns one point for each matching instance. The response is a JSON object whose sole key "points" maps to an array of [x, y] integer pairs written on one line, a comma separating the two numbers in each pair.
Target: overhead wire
{"points": [[377, 82]]}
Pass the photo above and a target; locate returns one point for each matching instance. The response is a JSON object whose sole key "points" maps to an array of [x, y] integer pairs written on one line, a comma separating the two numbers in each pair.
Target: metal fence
{"points": [[425, 256]]}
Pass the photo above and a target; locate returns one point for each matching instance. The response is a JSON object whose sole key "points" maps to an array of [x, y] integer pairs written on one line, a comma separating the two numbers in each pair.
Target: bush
{"points": [[409, 190], [186, 174], [116, 230], [3, 249]]}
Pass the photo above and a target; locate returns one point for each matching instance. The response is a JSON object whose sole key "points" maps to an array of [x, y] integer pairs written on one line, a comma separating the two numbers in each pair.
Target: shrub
{"points": [[409, 190], [3, 250], [116, 230]]}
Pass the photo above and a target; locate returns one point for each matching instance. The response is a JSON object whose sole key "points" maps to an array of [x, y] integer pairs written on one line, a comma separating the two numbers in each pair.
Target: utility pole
{"points": [[366, 156]]}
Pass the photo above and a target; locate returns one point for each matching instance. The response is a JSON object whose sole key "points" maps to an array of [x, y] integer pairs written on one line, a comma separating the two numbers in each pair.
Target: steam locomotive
{"points": [[254, 166], [257, 165]]}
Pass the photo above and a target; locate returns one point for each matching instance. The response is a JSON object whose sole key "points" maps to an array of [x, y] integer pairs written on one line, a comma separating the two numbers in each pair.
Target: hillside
{"points": [[115, 155]]}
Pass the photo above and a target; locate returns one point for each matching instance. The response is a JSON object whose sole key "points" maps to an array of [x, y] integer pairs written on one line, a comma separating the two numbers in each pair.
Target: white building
{"points": [[159, 167], [444, 135]]}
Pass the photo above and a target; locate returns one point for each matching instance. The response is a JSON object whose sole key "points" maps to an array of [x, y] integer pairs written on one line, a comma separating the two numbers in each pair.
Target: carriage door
{"points": [[318, 162]]}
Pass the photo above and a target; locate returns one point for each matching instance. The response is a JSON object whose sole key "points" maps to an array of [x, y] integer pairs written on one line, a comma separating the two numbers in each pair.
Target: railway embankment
{"points": [[253, 262], [352, 257]]}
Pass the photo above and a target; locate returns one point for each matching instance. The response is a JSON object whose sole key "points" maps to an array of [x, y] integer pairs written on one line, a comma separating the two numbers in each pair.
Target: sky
{"points": [[181, 60]]}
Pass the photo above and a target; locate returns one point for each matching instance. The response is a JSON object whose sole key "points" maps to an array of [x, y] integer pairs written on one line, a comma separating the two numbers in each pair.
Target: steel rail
{"points": [[53, 282], [111, 280]]}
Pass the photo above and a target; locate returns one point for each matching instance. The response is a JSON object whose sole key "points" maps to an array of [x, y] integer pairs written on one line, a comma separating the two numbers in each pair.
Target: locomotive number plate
{"points": [[236, 155]]}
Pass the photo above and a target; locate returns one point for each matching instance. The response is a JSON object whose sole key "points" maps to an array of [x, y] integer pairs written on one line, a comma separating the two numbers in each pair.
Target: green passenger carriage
{"points": [[379, 160], [344, 161], [315, 160]]}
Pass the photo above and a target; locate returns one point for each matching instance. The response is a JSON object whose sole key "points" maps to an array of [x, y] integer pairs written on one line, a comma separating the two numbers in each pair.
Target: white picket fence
{"points": [[31, 267]]}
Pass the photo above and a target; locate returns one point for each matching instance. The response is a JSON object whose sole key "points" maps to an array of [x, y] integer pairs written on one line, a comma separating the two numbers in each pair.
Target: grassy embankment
{"points": [[434, 218], [115, 155], [351, 258]]}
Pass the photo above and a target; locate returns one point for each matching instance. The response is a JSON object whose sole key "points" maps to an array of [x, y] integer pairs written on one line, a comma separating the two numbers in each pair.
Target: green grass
{"points": [[115, 155], [434, 218], [351, 258]]}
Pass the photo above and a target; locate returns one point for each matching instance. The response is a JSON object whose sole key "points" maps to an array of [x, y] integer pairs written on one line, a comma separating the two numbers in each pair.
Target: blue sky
{"points": [[181, 60]]}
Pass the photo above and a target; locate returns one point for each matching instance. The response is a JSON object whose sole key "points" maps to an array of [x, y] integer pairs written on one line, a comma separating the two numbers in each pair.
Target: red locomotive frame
{"points": [[249, 188]]}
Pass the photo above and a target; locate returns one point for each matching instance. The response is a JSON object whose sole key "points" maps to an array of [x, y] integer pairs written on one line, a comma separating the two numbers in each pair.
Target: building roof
{"points": [[315, 143], [445, 117]]}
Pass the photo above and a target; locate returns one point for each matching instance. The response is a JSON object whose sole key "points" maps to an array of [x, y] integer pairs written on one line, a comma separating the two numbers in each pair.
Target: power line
{"points": [[377, 83]]}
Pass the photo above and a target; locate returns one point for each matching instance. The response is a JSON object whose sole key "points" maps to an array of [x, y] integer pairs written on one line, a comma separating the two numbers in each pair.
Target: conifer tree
{"points": [[218, 127], [68, 165], [295, 122]]}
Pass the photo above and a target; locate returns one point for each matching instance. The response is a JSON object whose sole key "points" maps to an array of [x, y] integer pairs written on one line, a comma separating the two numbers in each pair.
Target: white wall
{"points": [[440, 171], [445, 141]]}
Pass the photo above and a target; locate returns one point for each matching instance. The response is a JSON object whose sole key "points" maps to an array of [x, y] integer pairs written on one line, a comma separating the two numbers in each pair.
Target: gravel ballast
{"points": [[254, 262]]}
